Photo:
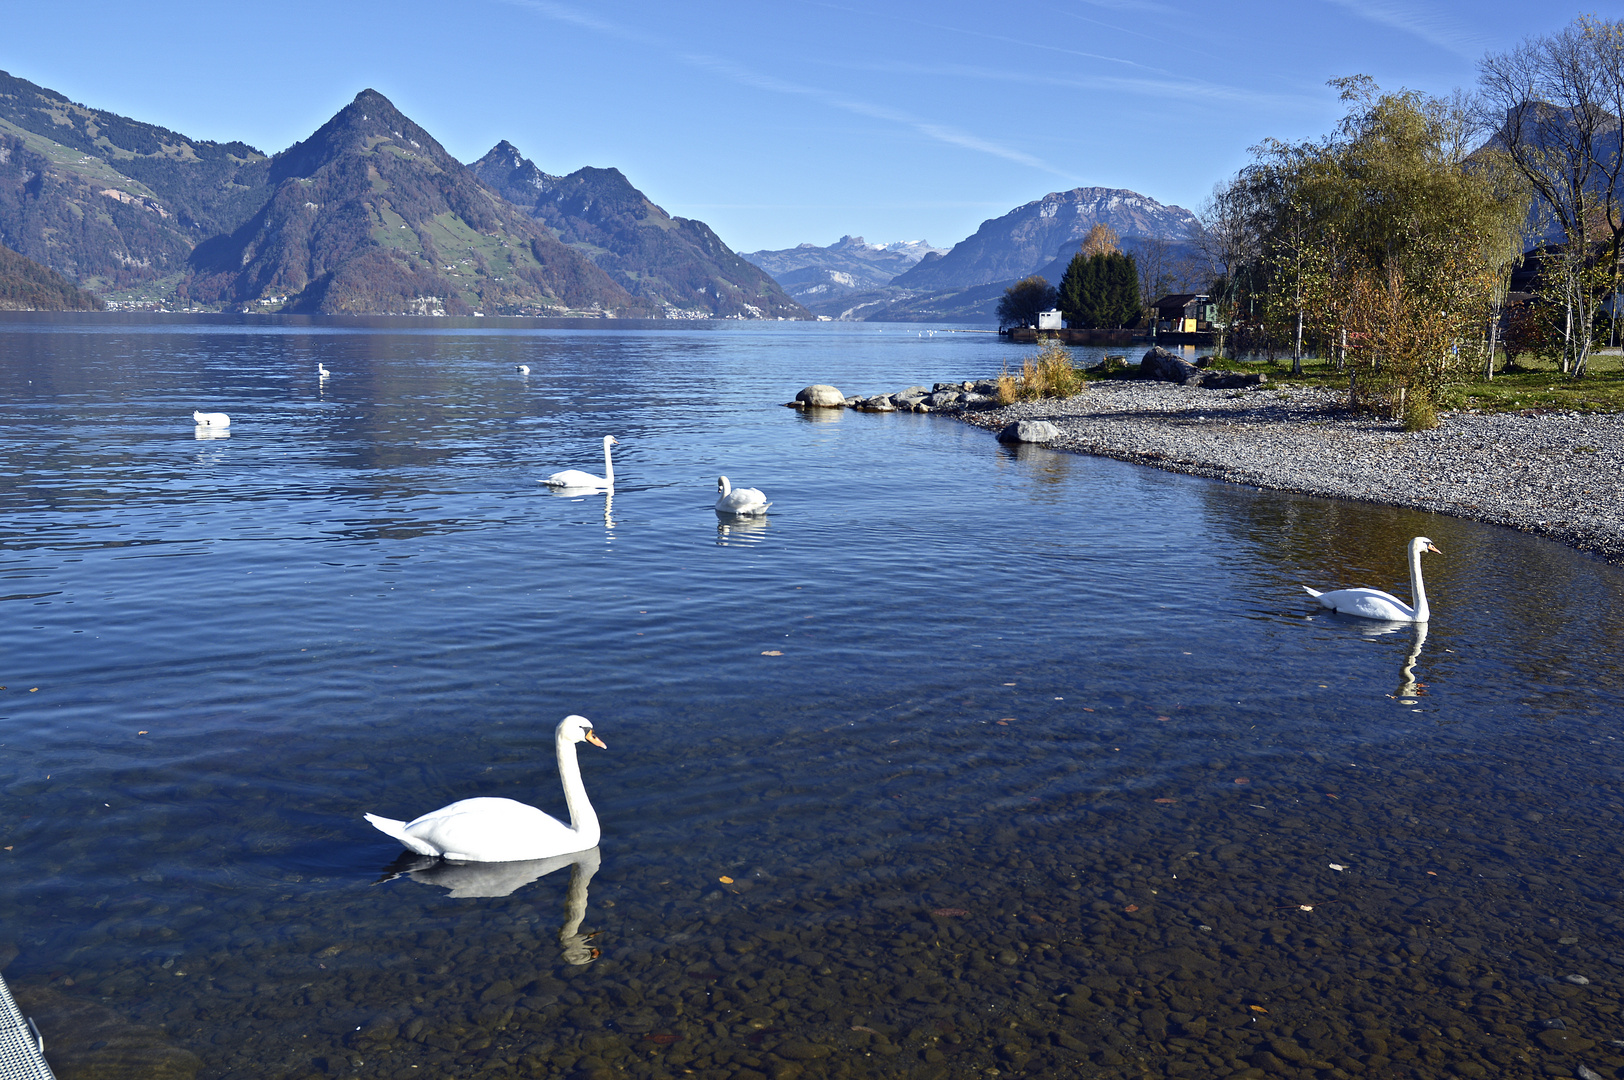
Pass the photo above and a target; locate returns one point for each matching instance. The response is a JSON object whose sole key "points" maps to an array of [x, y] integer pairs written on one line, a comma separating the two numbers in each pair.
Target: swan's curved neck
{"points": [[583, 819], [609, 478], [1418, 589]]}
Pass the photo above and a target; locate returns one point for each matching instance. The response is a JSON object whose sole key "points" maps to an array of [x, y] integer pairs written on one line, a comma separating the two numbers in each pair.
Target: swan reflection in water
{"points": [[745, 529], [582, 492], [207, 431], [466, 880], [1408, 688]]}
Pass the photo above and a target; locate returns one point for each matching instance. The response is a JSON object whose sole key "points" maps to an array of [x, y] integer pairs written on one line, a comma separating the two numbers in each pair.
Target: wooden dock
{"points": [[1025, 335]]}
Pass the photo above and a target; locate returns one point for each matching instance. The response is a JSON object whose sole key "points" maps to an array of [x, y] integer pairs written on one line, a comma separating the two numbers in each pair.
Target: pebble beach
{"points": [[1557, 474]]}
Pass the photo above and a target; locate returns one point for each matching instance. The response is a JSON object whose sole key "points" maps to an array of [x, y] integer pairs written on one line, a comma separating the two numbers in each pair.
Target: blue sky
{"points": [[784, 121]]}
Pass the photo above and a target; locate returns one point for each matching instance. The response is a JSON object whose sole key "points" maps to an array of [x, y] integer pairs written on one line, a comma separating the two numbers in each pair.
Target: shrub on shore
{"points": [[1049, 373]]}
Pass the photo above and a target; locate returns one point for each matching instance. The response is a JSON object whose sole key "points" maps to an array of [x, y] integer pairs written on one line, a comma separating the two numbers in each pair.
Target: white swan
{"points": [[575, 478], [321, 369], [211, 419], [522, 369], [1375, 604], [743, 501], [503, 830]]}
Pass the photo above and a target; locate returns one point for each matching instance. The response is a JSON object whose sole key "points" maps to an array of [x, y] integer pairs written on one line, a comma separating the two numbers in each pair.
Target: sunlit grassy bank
{"points": [[1529, 384]]}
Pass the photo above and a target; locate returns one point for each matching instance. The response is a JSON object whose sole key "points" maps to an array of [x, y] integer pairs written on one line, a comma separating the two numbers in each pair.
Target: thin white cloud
{"points": [[1430, 26], [725, 69], [1146, 7], [1168, 87]]}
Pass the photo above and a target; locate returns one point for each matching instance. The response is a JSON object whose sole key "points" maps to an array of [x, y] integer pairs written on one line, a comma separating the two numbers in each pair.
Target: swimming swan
{"points": [[321, 370], [522, 369], [1375, 604], [211, 419], [575, 478], [742, 502], [502, 830]]}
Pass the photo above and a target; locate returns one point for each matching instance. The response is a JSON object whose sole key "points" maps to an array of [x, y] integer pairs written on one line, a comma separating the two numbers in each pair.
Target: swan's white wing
{"points": [[575, 478], [492, 830], [1368, 604], [743, 501]]}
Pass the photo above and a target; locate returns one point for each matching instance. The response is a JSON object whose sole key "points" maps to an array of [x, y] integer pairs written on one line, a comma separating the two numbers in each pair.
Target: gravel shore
{"points": [[1555, 474]]}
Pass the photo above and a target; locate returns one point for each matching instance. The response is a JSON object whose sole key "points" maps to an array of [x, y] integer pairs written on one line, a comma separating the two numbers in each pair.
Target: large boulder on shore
{"points": [[1165, 366], [820, 396], [1161, 364], [1034, 431]]}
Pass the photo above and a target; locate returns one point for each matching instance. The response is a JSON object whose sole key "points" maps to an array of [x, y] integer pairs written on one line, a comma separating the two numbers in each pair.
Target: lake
{"points": [[966, 760]]}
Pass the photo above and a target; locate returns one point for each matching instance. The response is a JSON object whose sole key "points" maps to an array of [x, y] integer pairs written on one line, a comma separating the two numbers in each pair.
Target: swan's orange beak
{"points": [[1434, 550], [595, 741]]}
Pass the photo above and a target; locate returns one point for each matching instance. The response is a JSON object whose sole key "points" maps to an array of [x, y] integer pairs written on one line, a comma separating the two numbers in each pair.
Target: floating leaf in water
{"points": [[1305, 907], [662, 1038], [1243, 780], [1336, 866], [1257, 1008], [1432, 873], [725, 880], [1164, 718], [1131, 907], [944, 912], [1006, 721], [860, 1027], [1167, 800], [772, 652], [1006, 684], [140, 733]]}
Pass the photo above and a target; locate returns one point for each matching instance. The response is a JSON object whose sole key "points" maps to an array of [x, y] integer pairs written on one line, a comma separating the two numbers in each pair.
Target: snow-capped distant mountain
{"points": [[1030, 237], [850, 264]]}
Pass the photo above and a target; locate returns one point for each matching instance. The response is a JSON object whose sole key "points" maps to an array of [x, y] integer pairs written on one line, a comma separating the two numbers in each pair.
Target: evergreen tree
{"points": [[1100, 291]]}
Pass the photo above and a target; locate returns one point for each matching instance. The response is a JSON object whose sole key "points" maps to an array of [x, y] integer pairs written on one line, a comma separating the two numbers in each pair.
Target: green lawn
{"points": [[1532, 384]]}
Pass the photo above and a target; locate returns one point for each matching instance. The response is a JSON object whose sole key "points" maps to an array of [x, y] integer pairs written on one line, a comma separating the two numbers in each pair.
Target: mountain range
{"points": [[967, 281], [823, 275], [368, 215], [1030, 237], [677, 263]]}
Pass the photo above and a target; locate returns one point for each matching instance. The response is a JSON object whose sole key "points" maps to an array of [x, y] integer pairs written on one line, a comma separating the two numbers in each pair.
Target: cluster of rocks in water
{"points": [[1158, 364], [980, 393]]}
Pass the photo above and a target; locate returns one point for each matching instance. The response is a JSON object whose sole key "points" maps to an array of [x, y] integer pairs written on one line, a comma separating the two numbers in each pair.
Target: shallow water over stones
{"points": [[969, 760]]}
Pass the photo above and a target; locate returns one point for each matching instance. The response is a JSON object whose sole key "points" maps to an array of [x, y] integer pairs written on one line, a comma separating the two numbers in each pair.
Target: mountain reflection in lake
{"points": [[961, 762]]}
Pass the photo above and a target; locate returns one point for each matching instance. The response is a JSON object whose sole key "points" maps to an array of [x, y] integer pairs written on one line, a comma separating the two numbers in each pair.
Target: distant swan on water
{"points": [[1375, 604], [740, 501], [211, 419], [523, 369], [321, 369], [575, 478]]}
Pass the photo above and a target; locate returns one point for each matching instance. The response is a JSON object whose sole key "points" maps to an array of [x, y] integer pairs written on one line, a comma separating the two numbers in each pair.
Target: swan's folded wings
{"points": [[489, 829]]}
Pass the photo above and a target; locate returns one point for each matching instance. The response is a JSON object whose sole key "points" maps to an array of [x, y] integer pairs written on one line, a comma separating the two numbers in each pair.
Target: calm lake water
{"points": [[967, 761]]}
